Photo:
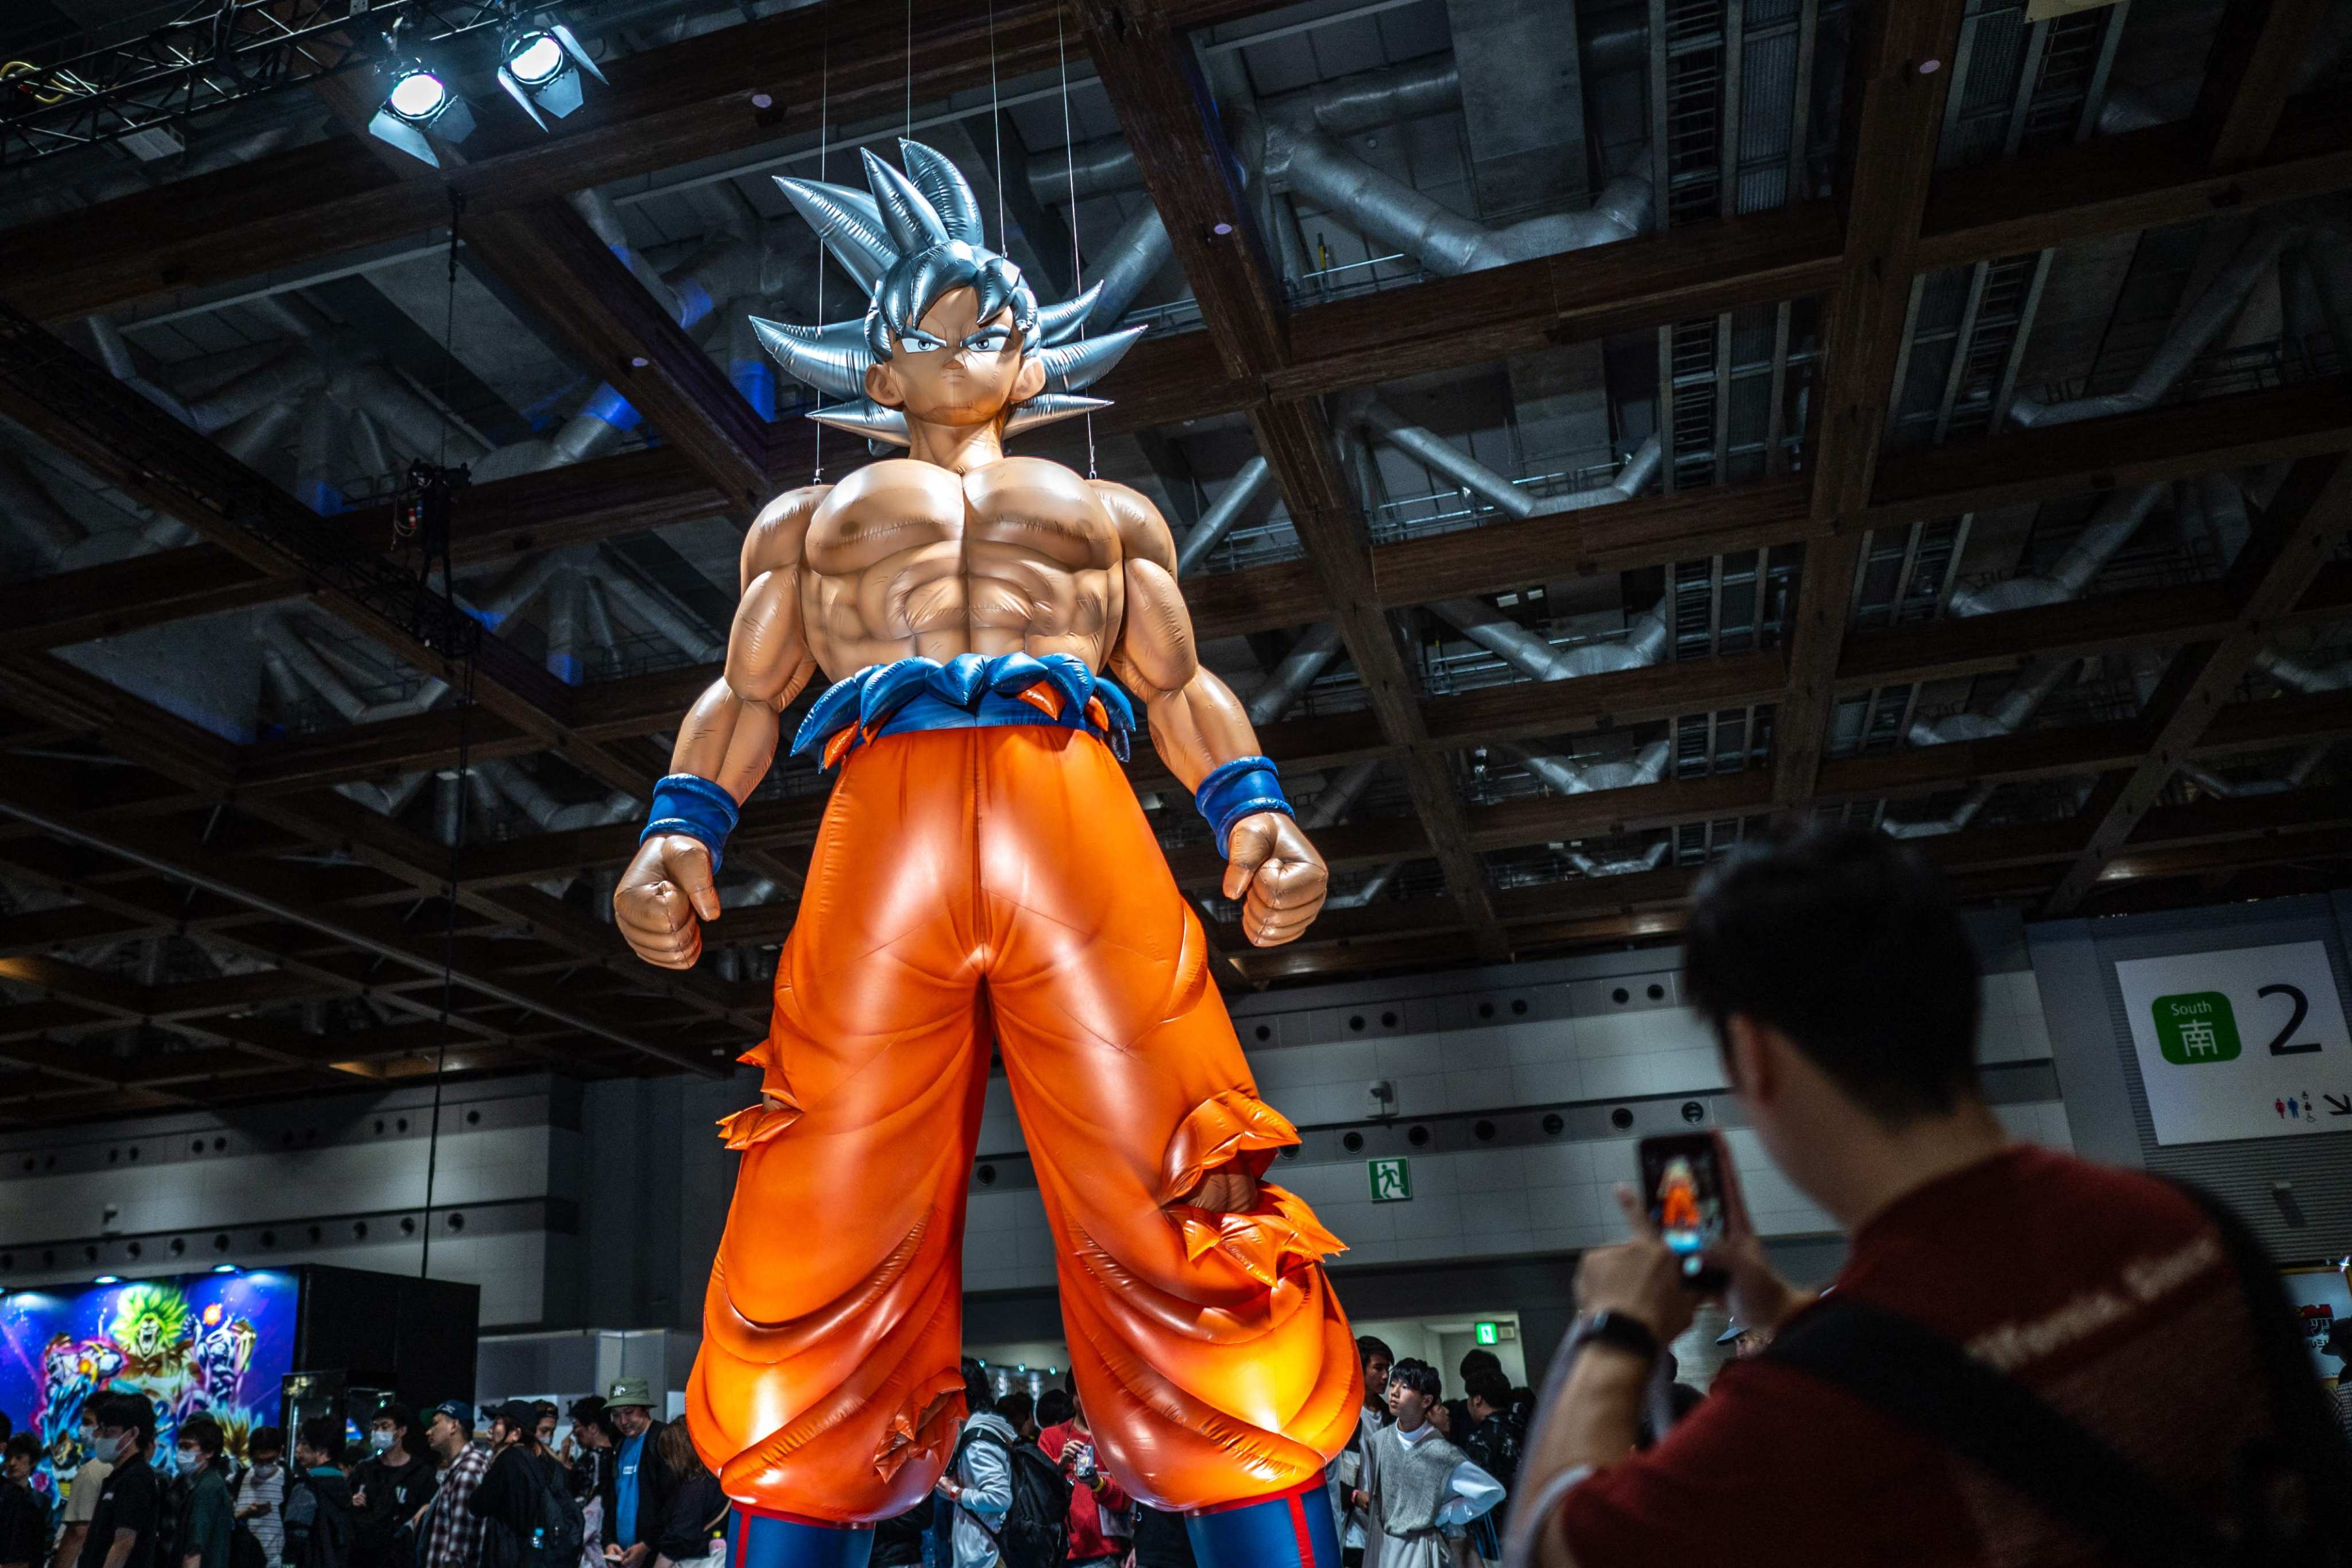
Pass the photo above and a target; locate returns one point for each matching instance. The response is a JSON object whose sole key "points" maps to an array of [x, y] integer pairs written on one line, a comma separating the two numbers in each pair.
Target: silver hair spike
{"points": [[944, 186], [1071, 367], [865, 418], [849, 223], [1058, 323], [831, 359], [914, 224], [1046, 407]]}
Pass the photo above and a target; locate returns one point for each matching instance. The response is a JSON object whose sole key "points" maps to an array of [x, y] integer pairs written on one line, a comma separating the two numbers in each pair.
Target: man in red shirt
{"points": [[1844, 995], [1097, 1508]]}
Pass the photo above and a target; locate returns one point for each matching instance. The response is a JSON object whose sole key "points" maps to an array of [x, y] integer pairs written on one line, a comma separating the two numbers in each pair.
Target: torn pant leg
{"points": [[1215, 1365]]}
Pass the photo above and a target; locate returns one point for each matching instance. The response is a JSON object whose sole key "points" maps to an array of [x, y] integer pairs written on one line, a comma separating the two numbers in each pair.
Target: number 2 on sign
{"points": [[2279, 1046]]}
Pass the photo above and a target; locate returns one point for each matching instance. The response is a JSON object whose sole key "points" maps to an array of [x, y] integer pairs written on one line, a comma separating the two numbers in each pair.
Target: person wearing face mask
{"points": [[81, 1495], [130, 1504], [261, 1492], [389, 1488], [204, 1523]]}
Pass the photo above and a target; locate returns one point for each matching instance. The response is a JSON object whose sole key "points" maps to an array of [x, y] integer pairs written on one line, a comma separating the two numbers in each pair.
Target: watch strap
{"points": [[1622, 1329]]}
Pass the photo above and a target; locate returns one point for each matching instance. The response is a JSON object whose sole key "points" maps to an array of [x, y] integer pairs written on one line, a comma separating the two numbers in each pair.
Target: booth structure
{"points": [[248, 1347]]}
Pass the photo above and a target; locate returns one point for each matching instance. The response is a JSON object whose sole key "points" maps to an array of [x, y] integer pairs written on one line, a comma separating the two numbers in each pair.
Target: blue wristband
{"points": [[1237, 789], [696, 807]]}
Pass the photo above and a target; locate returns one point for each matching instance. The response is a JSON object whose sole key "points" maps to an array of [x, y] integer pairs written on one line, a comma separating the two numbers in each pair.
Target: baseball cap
{"points": [[456, 1410], [519, 1414]]}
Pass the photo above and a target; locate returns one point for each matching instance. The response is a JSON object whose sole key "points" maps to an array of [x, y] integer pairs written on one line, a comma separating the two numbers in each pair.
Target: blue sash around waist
{"points": [[969, 691]]}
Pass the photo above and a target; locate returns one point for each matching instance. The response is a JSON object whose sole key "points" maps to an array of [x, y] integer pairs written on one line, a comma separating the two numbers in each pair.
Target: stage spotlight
{"points": [[542, 68], [225, 1269], [108, 1280], [420, 101]]}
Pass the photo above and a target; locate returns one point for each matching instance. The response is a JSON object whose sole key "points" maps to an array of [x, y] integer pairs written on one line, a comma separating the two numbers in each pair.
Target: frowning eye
{"points": [[919, 342], [989, 340]]}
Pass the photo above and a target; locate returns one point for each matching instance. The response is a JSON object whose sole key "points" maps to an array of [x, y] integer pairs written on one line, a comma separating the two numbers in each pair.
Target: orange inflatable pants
{"points": [[1002, 883]]}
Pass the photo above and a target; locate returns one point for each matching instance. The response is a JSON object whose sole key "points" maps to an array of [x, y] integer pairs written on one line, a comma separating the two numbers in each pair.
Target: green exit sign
{"points": [[1392, 1180], [1487, 1333]]}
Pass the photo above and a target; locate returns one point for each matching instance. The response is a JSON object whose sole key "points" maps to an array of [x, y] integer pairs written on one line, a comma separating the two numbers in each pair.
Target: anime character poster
{"points": [[216, 1345]]}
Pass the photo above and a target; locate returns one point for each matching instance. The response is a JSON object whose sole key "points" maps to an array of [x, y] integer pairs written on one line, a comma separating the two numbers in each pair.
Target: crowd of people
{"points": [[457, 1489]]}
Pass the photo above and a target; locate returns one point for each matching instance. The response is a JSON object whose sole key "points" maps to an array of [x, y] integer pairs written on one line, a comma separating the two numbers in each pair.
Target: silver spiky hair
{"points": [[907, 239]]}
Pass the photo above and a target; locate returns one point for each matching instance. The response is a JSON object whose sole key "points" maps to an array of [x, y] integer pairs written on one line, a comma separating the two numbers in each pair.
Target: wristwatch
{"points": [[1623, 1330]]}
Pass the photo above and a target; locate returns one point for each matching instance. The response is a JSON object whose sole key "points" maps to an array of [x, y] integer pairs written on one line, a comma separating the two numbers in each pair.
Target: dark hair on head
{"points": [[1016, 1407], [204, 1433], [979, 1394], [403, 1420], [1477, 1356], [1053, 1407], [1488, 1384], [265, 1440], [127, 1410], [1849, 945], [1418, 1375], [546, 1408], [24, 1445], [674, 1444], [1371, 1345], [321, 1435]]}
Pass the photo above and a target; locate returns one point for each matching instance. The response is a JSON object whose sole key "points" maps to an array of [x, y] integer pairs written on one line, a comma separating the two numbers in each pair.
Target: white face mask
{"points": [[190, 1457], [381, 1440]]}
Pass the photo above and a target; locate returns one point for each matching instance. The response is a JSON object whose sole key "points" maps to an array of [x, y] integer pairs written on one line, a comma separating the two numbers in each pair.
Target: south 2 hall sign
{"points": [[2244, 1044]]}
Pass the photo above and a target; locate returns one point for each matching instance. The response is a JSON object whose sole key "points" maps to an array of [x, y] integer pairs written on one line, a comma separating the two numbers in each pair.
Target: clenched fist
{"points": [[1269, 861], [664, 896]]}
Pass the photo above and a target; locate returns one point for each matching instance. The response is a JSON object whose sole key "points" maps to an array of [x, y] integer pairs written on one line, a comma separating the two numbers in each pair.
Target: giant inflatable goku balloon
{"points": [[991, 628]]}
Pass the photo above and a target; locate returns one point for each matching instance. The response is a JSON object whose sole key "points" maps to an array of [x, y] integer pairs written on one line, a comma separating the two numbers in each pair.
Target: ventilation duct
{"points": [[655, 610], [287, 654], [1644, 642], [2111, 527], [1247, 484], [2295, 778], [1290, 678], [2011, 713], [1649, 860], [387, 799], [2194, 332], [1367, 891], [45, 525], [503, 778], [1565, 776], [1332, 800], [1435, 452], [2309, 679]]}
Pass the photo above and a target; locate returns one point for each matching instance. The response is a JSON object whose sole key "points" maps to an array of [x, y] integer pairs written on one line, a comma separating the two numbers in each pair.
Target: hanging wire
{"points": [[910, 70], [449, 331], [996, 119], [823, 111], [448, 969], [1070, 159]]}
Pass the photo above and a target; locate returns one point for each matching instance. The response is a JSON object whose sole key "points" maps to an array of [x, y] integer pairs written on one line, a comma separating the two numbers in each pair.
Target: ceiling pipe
{"points": [[26, 502], [301, 661], [1435, 452], [1288, 681], [2309, 679], [1649, 860], [389, 798], [1332, 800], [656, 612], [290, 375], [2016, 707], [1564, 775], [2119, 517], [252, 440], [548, 813], [2195, 332], [1367, 891], [2296, 777], [1644, 642], [1247, 484]]}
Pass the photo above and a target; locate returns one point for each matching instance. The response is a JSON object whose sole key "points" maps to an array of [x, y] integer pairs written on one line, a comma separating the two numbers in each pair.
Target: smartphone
{"points": [[1693, 1198]]}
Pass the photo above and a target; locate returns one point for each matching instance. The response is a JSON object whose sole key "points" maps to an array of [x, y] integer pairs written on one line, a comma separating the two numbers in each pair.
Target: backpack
{"points": [[562, 1527], [333, 1526], [2292, 1493], [1035, 1530], [244, 1548]]}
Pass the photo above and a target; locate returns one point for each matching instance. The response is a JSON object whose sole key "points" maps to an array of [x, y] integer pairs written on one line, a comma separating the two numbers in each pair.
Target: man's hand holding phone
{"points": [[1641, 1277]]}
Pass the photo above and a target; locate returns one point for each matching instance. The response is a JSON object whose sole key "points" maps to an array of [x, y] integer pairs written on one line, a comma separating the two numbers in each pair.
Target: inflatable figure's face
{"points": [[955, 369]]}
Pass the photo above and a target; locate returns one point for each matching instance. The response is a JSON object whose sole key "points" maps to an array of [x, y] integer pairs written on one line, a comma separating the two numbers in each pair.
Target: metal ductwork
{"points": [[2111, 527], [1289, 679], [2309, 679], [656, 611], [1332, 800], [285, 652], [1434, 451], [2195, 332], [2295, 778], [1563, 775], [2011, 713], [387, 799], [508, 780], [1310, 163], [1367, 891], [1248, 482], [1649, 860], [48, 527], [1644, 642]]}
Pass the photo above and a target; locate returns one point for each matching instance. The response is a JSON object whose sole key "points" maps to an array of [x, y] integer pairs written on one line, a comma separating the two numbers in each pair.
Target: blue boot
{"points": [[1290, 1530], [759, 1538]]}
